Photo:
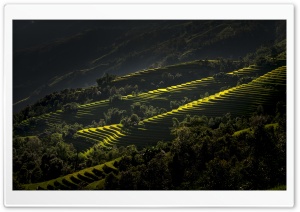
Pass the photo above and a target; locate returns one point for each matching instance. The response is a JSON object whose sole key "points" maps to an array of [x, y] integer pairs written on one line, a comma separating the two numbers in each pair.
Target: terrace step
{"points": [[244, 99]]}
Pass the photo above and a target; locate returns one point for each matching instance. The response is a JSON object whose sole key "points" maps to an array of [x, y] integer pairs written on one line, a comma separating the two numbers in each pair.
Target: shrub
{"points": [[115, 98], [70, 107]]}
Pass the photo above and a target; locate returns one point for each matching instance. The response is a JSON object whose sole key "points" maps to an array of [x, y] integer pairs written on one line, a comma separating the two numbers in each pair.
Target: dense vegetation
{"points": [[193, 158], [183, 123], [203, 156], [207, 154], [112, 87]]}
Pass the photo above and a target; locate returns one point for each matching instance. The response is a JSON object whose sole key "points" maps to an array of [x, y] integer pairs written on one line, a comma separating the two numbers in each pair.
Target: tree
{"points": [[175, 122], [36, 175], [115, 98], [55, 168], [23, 175], [138, 108], [260, 110], [65, 151], [157, 174], [111, 182], [177, 170], [125, 122], [56, 138], [114, 115], [70, 107], [105, 80], [134, 119], [217, 176], [211, 123], [128, 180], [124, 163]]}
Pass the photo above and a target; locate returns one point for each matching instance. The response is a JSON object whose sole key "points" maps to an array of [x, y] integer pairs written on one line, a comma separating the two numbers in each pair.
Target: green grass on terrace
{"points": [[239, 100], [249, 130], [159, 98], [89, 178]]}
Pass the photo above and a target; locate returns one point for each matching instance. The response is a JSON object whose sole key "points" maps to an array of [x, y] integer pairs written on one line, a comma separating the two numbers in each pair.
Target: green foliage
{"points": [[177, 103], [199, 158], [134, 119], [209, 159], [111, 182], [105, 80], [115, 98], [267, 54], [203, 149], [114, 115], [222, 76], [244, 80], [70, 107], [36, 160], [175, 123]]}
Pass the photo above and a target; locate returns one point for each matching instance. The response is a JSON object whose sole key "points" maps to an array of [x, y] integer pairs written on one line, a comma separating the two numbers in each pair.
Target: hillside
{"points": [[231, 95], [71, 54], [161, 97], [245, 99], [150, 105]]}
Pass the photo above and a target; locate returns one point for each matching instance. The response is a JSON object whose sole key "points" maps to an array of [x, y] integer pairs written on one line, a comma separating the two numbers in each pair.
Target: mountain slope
{"points": [[73, 54], [241, 100], [184, 87]]}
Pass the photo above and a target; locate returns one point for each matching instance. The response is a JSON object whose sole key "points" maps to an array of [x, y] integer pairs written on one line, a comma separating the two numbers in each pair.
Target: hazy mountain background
{"points": [[51, 55]]}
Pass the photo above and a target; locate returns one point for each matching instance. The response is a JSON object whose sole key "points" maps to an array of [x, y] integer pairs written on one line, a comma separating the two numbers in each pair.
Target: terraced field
{"points": [[248, 130], [91, 178], [158, 98], [89, 112], [240, 100], [188, 71]]}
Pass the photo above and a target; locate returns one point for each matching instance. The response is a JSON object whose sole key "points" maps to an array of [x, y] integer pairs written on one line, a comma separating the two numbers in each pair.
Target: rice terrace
{"points": [[149, 105]]}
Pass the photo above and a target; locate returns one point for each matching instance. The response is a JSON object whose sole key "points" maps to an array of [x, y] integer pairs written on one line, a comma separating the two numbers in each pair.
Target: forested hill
{"points": [[149, 105], [217, 127], [54, 55]]}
